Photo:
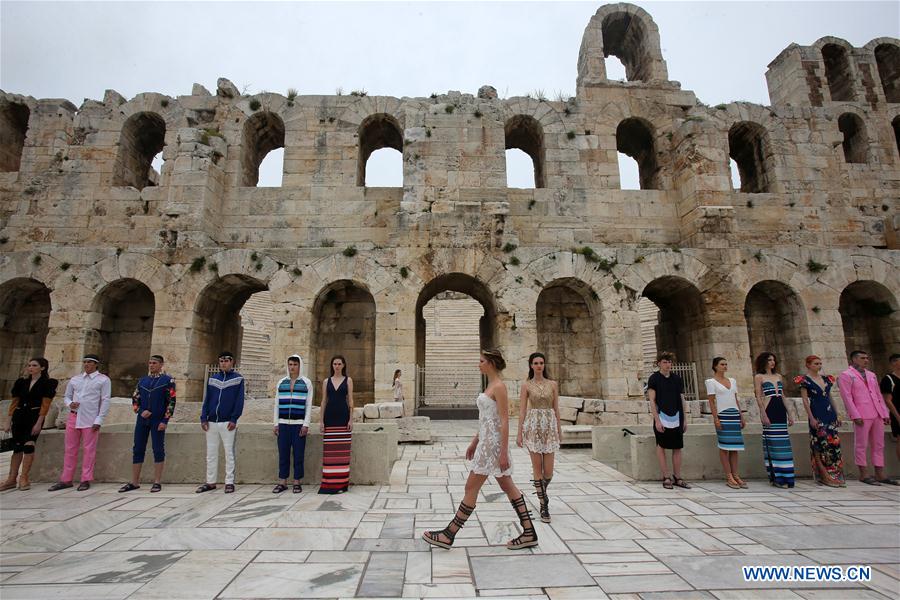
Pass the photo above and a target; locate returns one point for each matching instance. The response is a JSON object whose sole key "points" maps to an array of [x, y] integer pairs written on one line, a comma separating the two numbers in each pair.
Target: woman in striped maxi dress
{"points": [[775, 420], [337, 425], [722, 395]]}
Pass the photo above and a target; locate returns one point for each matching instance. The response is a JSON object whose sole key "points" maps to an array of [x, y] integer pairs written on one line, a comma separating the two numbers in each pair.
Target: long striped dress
{"points": [[776, 438], [336, 441]]}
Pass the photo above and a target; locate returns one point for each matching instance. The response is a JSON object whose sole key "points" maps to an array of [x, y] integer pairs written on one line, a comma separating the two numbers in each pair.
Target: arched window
{"points": [[634, 138], [526, 134], [263, 133], [837, 72], [143, 137], [625, 37], [887, 57], [855, 144], [13, 126], [896, 126], [748, 146], [377, 132]]}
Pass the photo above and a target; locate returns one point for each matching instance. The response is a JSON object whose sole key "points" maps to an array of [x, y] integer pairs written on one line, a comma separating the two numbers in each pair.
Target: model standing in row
{"points": [[337, 428], [890, 390], [665, 390], [539, 426], [775, 419], [722, 395], [293, 403], [866, 407], [223, 404], [824, 420], [31, 398], [489, 456]]}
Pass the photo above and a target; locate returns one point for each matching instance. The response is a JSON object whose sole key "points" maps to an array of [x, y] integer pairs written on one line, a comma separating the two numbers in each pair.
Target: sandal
{"points": [[205, 488], [869, 481], [229, 488], [540, 486], [128, 487], [459, 520], [682, 483], [667, 483], [297, 489], [889, 481], [278, 488], [529, 535], [732, 483], [156, 487], [741, 482]]}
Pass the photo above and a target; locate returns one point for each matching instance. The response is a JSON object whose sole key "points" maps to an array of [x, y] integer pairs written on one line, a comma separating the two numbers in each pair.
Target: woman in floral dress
{"points": [[825, 443]]}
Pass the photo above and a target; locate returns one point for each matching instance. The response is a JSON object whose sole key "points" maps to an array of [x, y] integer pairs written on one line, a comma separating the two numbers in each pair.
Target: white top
{"points": [[92, 392], [398, 390], [487, 454], [725, 398]]}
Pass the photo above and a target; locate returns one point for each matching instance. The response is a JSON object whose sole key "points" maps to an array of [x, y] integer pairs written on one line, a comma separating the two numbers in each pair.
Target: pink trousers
{"points": [[869, 435], [75, 438]]}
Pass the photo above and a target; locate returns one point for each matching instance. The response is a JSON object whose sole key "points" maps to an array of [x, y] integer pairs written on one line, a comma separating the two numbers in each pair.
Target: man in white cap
{"points": [[88, 400]]}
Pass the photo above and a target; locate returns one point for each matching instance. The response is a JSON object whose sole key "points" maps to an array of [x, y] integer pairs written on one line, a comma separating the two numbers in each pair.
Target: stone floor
{"points": [[610, 538]]}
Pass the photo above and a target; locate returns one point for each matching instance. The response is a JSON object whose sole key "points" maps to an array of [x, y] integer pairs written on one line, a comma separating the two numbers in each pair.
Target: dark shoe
{"points": [[889, 481], [667, 483], [445, 537], [297, 489], [682, 483], [229, 488], [276, 490], [529, 535], [205, 488], [84, 486], [155, 488], [869, 481], [128, 487], [59, 485]]}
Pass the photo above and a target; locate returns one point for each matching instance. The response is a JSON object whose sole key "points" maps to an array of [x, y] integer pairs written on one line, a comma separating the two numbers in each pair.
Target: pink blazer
{"points": [[862, 397]]}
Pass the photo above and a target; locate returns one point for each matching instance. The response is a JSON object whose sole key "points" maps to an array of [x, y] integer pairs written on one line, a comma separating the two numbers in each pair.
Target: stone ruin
{"points": [[100, 253]]}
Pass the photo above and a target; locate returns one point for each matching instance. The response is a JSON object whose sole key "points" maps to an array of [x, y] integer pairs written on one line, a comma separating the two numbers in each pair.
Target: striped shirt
{"points": [[293, 402]]}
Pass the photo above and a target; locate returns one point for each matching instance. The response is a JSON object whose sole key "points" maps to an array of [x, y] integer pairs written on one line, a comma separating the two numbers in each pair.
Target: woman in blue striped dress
{"points": [[722, 395], [776, 419]]}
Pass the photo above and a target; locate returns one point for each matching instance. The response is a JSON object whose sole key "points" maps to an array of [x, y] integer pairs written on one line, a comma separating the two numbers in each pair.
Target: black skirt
{"points": [[670, 438]]}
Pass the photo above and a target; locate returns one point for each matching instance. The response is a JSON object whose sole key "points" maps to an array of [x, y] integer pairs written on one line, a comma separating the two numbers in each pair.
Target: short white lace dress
{"points": [[487, 455]]}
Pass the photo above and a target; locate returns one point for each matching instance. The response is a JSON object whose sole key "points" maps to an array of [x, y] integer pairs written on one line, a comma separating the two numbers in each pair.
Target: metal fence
{"points": [[257, 384], [688, 373]]}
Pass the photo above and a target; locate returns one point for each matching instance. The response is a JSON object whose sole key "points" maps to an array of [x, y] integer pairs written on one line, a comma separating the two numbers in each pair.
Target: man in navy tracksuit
{"points": [[223, 404], [154, 404]]}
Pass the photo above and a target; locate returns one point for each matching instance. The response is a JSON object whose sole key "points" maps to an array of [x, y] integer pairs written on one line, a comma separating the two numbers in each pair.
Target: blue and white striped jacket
{"points": [[293, 406], [224, 398]]}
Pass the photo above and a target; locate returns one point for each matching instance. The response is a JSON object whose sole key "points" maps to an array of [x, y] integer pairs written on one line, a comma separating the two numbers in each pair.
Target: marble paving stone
{"points": [[411, 545], [272, 580], [63, 535], [642, 583], [515, 593], [594, 512], [604, 546], [418, 567], [195, 538], [670, 548], [868, 556], [860, 594], [617, 531], [252, 512], [100, 567], [368, 530], [128, 525], [450, 566], [383, 577], [575, 593], [141, 504], [760, 594], [703, 541], [573, 527], [297, 538], [438, 590], [204, 507], [493, 572], [549, 542], [685, 595], [745, 520], [122, 543], [319, 519], [627, 568], [25, 559], [333, 556], [840, 536], [200, 575], [398, 526], [92, 543], [724, 572], [616, 557], [96, 591], [283, 556]]}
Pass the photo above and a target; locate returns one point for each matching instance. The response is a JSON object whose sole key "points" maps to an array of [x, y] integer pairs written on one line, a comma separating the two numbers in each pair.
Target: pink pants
{"points": [[870, 433], [74, 438]]}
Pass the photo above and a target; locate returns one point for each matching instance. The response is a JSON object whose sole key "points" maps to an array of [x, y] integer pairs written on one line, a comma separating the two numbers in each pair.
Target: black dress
{"points": [[28, 405], [336, 441]]}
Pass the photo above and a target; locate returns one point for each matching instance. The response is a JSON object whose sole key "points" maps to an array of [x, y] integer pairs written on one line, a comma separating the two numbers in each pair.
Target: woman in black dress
{"points": [[337, 424], [31, 398]]}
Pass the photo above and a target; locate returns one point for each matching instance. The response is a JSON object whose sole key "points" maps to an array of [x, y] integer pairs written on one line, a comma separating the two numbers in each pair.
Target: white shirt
{"points": [[725, 398], [93, 393]]}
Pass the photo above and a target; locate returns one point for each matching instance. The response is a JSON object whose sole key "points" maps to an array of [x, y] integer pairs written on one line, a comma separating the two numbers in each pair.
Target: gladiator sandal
{"points": [[529, 536], [547, 481], [459, 519], [540, 487]]}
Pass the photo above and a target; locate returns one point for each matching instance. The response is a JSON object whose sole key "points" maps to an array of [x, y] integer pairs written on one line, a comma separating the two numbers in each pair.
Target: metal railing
{"points": [[256, 381]]}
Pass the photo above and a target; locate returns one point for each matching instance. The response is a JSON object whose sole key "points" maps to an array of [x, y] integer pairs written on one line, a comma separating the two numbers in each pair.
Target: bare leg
{"points": [[549, 460], [136, 474], [537, 465], [663, 465], [726, 463], [158, 471], [14, 464], [676, 463]]}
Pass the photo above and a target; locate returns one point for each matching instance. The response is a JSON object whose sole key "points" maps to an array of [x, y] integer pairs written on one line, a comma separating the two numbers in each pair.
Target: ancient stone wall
{"points": [[803, 258]]}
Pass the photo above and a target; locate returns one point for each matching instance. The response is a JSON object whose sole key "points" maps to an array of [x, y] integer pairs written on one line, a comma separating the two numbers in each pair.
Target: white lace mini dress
{"points": [[539, 430], [487, 454]]}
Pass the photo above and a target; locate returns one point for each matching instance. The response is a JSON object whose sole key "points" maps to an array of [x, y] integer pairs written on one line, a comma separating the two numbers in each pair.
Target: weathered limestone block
{"points": [[593, 406], [587, 419], [571, 402], [412, 429], [609, 418], [576, 435], [358, 415], [370, 411], [390, 410], [567, 413]]}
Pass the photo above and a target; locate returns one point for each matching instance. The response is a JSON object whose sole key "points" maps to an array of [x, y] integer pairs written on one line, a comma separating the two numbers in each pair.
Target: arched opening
{"points": [[776, 322], [385, 168], [143, 137], [13, 128], [748, 145], [120, 331], [855, 143], [837, 72], [871, 321], [24, 316], [625, 37], [377, 132], [458, 323], [634, 138], [233, 313], [271, 169], [895, 125], [887, 57], [526, 134], [263, 133], [519, 170], [344, 323], [675, 321], [615, 70], [735, 174], [567, 332]]}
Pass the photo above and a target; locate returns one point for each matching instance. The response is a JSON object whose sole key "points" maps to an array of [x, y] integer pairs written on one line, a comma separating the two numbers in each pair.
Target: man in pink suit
{"points": [[865, 405]]}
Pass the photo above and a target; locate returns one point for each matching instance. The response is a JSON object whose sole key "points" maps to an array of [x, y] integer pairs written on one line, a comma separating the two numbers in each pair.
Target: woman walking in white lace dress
{"points": [[539, 426], [489, 453]]}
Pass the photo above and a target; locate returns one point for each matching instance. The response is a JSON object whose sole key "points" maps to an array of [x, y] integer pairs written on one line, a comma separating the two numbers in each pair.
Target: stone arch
{"points": [[262, 133], [870, 317], [776, 322], [855, 142], [24, 322], [375, 132], [344, 323], [749, 146], [627, 32], [683, 324], [636, 137], [526, 133], [838, 70], [120, 331], [568, 334], [887, 58], [895, 125], [142, 137], [14, 118]]}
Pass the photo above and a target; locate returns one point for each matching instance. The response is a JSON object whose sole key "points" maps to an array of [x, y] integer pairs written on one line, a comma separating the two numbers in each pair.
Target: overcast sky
{"points": [[76, 50]]}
